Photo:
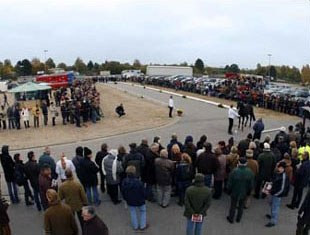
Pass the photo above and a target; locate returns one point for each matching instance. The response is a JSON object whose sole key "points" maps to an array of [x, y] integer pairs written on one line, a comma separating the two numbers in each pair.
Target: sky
{"points": [[219, 32]]}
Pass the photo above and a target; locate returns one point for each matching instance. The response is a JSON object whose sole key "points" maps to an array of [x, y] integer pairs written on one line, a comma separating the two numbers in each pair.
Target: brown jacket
{"points": [[73, 193], [253, 165], [59, 220]]}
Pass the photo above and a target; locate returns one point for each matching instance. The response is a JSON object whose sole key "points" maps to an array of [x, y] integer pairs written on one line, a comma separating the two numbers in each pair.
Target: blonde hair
{"points": [[131, 170], [186, 158], [175, 149]]}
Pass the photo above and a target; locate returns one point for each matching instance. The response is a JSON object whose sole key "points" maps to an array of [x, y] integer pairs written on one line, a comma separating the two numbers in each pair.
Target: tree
{"points": [[7, 69], [80, 66], [136, 64], [199, 65], [37, 66], [90, 65], [305, 73], [184, 63], [234, 68], [62, 65], [50, 64], [273, 72]]}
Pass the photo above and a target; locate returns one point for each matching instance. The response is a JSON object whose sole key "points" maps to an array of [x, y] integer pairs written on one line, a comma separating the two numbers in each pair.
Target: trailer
{"points": [[154, 70]]}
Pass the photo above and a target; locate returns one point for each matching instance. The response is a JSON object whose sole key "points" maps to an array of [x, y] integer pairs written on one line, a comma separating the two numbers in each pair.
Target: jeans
{"points": [[193, 228], [208, 180], [163, 194], [36, 195], [275, 208], [138, 223], [12, 188], [92, 193], [233, 206], [28, 193]]}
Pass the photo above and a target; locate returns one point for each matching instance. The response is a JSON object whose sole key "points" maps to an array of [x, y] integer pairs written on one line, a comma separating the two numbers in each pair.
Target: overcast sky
{"points": [[163, 31]]}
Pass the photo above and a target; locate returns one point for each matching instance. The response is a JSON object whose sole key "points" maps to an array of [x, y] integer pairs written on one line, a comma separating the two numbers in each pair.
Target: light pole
{"points": [[45, 51], [269, 70]]}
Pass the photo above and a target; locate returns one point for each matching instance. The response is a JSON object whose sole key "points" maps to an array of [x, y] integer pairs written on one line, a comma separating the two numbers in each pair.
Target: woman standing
{"points": [[25, 116]]}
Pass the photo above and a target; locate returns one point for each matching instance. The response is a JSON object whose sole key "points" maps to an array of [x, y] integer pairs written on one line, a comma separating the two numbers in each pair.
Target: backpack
{"points": [[19, 176]]}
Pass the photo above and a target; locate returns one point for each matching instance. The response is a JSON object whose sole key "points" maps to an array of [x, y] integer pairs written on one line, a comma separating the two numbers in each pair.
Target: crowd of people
{"points": [[195, 173], [80, 103], [247, 89]]}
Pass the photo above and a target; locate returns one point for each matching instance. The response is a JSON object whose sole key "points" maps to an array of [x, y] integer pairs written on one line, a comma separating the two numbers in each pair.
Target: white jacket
{"points": [[25, 114]]}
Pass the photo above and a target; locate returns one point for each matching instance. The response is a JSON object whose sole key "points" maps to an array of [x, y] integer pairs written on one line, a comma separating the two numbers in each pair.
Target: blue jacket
{"points": [[133, 191], [259, 126]]}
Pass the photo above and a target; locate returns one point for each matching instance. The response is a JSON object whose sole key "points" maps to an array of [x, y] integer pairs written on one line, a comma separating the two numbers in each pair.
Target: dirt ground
{"points": [[140, 114], [259, 112]]}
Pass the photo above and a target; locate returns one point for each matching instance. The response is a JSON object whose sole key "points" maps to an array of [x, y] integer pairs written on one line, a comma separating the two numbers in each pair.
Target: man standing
{"points": [[98, 159], [303, 224], [197, 202], [232, 114], [239, 186], [92, 223], [280, 188], [302, 177], [46, 159], [58, 218], [170, 106], [74, 195], [258, 129], [45, 113]]}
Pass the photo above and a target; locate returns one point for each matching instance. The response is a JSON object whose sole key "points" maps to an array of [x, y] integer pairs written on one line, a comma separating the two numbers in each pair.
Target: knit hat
{"points": [[87, 151], [266, 147], [242, 161], [199, 178], [249, 153], [189, 139]]}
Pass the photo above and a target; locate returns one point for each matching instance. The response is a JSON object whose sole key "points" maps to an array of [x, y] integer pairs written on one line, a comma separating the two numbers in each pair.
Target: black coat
{"points": [[305, 209], [149, 169], [32, 171], [98, 159], [95, 226], [7, 164], [89, 172]]}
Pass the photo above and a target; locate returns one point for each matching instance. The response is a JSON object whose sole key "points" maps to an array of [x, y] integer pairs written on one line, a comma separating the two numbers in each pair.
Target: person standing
{"points": [[220, 174], [77, 161], [54, 113], [32, 171], [89, 177], [36, 115], [239, 186], [149, 169], [232, 114], [11, 117], [303, 224], [62, 165], [58, 218], [171, 106], [266, 163], [3, 117], [302, 179], [45, 183], [45, 112], [8, 168], [258, 129], [98, 159], [72, 192], [46, 159], [164, 169], [92, 223], [17, 117], [134, 194], [21, 179], [134, 158], [25, 116], [197, 202], [112, 168], [280, 188]]}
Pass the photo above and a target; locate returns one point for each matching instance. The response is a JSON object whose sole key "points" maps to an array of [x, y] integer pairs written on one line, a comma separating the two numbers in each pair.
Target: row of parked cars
{"points": [[302, 93]]}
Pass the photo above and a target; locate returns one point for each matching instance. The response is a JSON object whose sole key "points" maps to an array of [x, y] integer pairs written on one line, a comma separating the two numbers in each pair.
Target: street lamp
{"points": [[269, 71], [45, 51]]}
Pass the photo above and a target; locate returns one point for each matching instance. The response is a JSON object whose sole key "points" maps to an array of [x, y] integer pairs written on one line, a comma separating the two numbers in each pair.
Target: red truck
{"points": [[58, 80]]}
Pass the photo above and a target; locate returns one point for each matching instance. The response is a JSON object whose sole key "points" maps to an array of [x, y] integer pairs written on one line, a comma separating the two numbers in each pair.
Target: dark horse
{"points": [[246, 112]]}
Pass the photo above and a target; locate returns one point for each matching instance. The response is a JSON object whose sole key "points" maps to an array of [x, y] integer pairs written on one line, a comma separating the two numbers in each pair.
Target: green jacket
{"points": [[240, 182], [266, 163], [197, 200], [73, 193]]}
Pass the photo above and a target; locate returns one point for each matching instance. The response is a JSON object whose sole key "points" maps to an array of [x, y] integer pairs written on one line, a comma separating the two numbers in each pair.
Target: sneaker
{"points": [[269, 225], [145, 228]]}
